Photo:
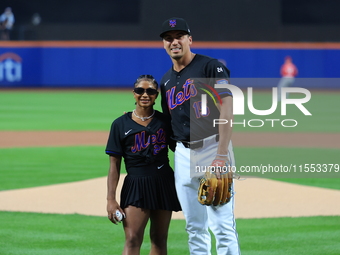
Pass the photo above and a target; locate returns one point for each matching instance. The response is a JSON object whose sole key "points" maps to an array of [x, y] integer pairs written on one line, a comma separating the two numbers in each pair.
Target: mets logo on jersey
{"points": [[10, 67], [142, 141], [172, 23], [180, 97]]}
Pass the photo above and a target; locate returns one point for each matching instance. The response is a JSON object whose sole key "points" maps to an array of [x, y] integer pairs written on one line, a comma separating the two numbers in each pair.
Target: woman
{"points": [[142, 138]]}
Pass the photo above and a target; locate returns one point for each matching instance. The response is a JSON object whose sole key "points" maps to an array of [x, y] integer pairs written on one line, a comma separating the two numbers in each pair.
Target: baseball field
{"points": [[53, 176]]}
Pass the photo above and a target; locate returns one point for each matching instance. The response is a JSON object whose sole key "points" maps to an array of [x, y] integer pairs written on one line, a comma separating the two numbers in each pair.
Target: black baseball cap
{"points": [[175, 24]]}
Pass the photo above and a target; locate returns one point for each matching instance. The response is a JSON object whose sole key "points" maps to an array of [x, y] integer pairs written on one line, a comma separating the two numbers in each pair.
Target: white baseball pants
{"points": [[199, 218]]}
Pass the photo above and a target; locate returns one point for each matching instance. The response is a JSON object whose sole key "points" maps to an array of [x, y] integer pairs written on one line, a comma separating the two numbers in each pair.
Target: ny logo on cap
{"points": [[172, 23]]}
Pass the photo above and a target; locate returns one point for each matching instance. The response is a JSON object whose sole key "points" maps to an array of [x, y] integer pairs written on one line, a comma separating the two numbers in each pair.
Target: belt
{"points": [[196, 144]]}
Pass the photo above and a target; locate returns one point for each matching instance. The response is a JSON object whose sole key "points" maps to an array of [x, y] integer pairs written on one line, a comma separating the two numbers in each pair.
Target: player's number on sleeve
{"points": [[198, 109]]}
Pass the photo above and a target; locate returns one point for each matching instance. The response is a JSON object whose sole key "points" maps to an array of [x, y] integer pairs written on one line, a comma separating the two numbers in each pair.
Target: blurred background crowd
{"points": [[219, 20]]}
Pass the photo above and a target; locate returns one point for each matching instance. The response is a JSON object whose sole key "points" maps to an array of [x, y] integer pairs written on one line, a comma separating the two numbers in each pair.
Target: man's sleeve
{"points": [[218, 74]]}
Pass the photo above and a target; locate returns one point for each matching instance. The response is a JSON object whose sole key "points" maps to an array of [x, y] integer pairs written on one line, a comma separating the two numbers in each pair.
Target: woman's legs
{"points": [[134, 225], [160, 221]]}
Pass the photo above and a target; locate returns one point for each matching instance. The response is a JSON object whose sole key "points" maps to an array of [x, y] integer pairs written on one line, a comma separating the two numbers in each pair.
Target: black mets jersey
{"points": [[182, 97], [139, 145]]}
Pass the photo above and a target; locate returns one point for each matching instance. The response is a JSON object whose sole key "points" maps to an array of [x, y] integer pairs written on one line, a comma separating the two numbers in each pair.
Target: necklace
{"points": [[143, 118]]}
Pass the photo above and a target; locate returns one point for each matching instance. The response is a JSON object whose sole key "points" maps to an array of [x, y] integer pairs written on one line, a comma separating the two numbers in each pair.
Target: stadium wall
{"points": [[92, 64]]}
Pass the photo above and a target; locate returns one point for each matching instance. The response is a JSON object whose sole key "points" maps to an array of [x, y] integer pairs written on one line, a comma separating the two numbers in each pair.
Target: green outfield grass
{"points": [[95, 110], [30, 167], [63, 110], [53, 234]]}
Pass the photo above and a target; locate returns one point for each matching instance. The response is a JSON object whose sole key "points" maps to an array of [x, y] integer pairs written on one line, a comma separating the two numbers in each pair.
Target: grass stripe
{"points": [[95, 110], [297, 156], [42, 234], [30, 167]]}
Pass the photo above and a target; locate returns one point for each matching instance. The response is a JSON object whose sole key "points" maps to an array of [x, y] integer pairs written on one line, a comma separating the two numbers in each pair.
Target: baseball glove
{"points": [[214, 191]]}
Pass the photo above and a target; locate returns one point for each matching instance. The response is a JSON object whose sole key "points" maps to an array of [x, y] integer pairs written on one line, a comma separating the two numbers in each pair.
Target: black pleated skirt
{"points": [[151, 187]]}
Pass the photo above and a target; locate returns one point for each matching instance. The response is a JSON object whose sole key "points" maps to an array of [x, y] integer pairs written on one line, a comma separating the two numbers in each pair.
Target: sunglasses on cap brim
{"points": [[149, 91]]}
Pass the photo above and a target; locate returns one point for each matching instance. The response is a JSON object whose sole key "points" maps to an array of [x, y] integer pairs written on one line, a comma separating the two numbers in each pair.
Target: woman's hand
{"points": [[112, 207]]}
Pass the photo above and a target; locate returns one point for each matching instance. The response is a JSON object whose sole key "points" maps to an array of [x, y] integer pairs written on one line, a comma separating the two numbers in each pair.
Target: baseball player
{"points": [[199, 143], [142, 137], [288, 72]]}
